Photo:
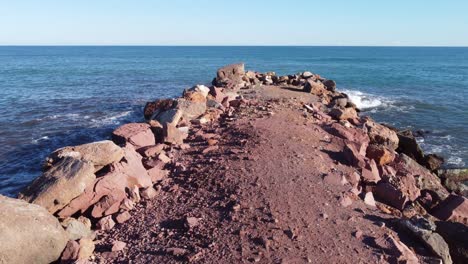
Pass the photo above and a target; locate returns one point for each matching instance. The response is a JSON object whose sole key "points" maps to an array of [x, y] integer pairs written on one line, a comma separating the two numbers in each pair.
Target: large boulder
{"points": [[56, 187], [29, 233], [314, 87], [230, 76], [454, 208], [408, 145], [190, 109], [381, 154], [380, 134], [330, 85], [109, 189], [99, 153], [425, 180], [137, 134], [397, 190]]}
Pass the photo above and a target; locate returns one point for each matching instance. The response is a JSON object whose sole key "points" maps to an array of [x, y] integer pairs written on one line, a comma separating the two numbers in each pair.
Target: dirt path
{"points": [[268, 191]]}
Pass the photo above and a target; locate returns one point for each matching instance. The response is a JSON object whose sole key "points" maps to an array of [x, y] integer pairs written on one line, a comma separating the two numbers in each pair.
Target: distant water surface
{"points": [[52, 97]]}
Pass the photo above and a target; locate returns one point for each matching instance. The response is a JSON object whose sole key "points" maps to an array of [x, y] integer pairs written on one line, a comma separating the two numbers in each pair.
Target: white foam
{"points": [[35, 141], [110, 119], [365, 100]]}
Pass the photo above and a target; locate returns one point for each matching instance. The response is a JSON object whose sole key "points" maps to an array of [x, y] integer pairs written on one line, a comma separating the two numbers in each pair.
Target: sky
{"points": [[239, 22]]}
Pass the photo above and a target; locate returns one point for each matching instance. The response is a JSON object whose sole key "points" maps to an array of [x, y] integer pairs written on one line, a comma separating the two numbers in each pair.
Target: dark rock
{"points": [[409, 146], [314, 87], [381, 154], [456, 236], [454, 208], [330, 84], [158, 106], [433, 161]]}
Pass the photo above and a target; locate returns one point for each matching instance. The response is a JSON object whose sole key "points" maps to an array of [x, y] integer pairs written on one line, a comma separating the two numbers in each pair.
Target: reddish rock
{"points": [[149, 193], [164, 158], [370, 173], [433, 162], [156, 107], [359, 137], [381, 135], [108, 204], [106, 223], [233, 72], [409, 146], [195, 96], [123, 217], [314, 87], [71, 251], [400, 252], [127, 204], [352, 156], [191, 222], [343, 114], [381, 154], [391, 195], [151, 151], [157, 174], [127, 174], [134, 194], [454, 208], [137, 134], [174, 135], [118, 246]]}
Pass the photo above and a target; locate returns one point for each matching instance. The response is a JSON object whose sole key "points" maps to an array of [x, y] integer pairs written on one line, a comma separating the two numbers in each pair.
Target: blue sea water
{"points": [[52, 97]]}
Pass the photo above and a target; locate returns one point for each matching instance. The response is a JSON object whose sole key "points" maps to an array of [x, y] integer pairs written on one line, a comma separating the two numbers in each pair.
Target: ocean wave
{"points": [[110, 119], [37, 140], [366, 101]]}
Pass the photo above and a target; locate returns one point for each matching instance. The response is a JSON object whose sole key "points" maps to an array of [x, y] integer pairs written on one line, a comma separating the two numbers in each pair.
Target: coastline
{"points": [[142, 165]]}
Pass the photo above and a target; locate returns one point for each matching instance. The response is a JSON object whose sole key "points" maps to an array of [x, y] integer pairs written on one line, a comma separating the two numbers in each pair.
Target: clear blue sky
{"points": [[238, 22]]}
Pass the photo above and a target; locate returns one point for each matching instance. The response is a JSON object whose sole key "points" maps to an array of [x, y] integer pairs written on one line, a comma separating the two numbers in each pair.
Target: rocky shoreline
{"points": [[70, 213]]}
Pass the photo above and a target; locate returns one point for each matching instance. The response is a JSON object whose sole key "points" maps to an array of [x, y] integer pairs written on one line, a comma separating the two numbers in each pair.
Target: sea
{"points": [[56, 96]]}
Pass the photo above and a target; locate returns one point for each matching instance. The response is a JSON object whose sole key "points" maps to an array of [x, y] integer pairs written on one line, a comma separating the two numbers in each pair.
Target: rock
{"points": [[127, 204], [77, 229], [191, 222], [154, 108], [217, 93], [314, 87], [85, 221], [171, 116], [455, 180], [190, 109], [71, 252], [345, 201], [127, 174], [86, 248], [423, 229], [232, 72], [164, 158], [352, 155], [454, 208], [99, 153], [123, 217], [106, 223], [137, 134], [151, 151], [29, 233], [397, 193], [396, 248], [330, 85], [174, 135], [108, 204], [201, 89], [381, 154], [425, 180], [149, 193], [118, 246], [357, 136], [381, 135], [369, 199], [339, 102], [433, 162], [370, 173], [157, 174], [409, 146], [307, 75], [456, 236], [56, 187], [135, 194], [343, 114]]}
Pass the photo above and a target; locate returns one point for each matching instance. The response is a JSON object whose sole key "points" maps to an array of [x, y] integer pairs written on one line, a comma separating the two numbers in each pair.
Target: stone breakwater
{"points": [[88, 189]]}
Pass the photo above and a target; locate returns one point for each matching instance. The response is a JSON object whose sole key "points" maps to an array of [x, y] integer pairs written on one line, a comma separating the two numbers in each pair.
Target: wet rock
{"points": [[394, 247], [99, 153], [56, 187], [29, 233], [106, 223], [381, 135], [423, 229], [381, 154], [330, 85], [453, 208], [137, 134], [118, 246], [343, 113], [456, 236], [77, 229]]}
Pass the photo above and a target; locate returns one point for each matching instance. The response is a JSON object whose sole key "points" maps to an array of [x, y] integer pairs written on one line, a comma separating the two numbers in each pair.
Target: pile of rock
{"points": [[96, 185]]}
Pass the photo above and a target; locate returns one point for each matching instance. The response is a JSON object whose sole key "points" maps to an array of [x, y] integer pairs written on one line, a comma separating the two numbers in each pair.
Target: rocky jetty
{"points": [[88, 196]]}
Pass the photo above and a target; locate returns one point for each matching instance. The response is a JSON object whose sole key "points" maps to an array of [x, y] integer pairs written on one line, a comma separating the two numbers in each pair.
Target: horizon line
{"points": [[223, 45]]}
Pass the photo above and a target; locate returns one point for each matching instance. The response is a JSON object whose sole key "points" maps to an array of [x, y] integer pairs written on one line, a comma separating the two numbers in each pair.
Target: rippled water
{"points": [[52, 97]]}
